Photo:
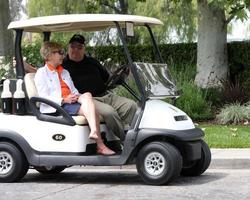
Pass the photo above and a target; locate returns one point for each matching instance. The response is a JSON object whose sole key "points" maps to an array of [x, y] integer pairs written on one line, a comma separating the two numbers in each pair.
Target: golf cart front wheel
{"points": [[50, 169], [13, 163], [158, 163], [197, 167]]}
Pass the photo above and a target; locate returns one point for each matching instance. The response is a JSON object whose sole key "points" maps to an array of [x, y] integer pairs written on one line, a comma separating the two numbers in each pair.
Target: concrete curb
{"points": [[230, 158]]}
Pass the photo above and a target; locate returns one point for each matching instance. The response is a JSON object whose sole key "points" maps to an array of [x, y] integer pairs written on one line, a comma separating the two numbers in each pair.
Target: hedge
{"points": [[175, 54]]}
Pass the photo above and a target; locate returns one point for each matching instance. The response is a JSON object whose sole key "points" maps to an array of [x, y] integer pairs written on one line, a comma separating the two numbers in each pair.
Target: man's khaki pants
{"points": [[116, 111]]}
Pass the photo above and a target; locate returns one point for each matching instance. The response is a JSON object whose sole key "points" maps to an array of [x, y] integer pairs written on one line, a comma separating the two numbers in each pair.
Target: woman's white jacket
{"points": [[48, 86]]}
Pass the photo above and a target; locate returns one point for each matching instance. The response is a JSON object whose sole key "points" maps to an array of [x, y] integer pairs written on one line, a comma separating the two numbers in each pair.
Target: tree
{"points": [[6, 38], [37, 8], [213, 19], [55, 7], [118, 7], [15, 9], [181, 18], [184, 26]]}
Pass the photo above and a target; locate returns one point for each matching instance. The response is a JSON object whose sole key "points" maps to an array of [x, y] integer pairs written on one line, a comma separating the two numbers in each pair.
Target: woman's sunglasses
{"points": [[61, 52]]}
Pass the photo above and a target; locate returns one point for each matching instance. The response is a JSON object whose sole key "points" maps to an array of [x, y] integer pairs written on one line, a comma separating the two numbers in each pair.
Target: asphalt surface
{"points": [[120, 184], [228, 177]]}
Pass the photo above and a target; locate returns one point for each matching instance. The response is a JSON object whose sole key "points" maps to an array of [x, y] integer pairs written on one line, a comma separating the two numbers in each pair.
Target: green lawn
{"points": [[223, 136]]}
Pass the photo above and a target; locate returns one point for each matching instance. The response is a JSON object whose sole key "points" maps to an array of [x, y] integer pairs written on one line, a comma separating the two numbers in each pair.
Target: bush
{"points": [[234, 113], [6, 68], [239, 63], [193, 102], [6, 71], [181, 59], [233, 92], [31, 52], [213, 95]]}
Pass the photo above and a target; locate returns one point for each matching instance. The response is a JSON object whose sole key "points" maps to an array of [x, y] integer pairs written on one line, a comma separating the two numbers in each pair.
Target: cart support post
{"points": [[131, 65], [154, 44], [18, 55], [46, 36], [135, 74]]}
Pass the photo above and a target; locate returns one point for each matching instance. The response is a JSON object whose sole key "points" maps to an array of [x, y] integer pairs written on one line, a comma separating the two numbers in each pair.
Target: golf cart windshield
{"points": [[156, 80]]}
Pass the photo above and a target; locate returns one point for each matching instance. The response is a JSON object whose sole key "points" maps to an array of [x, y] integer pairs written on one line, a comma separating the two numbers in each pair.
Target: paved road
{"points": [[120, 184]]}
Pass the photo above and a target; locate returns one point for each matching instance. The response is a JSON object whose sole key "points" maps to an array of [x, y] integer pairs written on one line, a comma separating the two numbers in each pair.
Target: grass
{"points": [[227, 136]]}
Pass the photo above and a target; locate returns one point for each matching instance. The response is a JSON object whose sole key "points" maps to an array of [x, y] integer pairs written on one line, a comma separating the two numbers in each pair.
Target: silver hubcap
{"points": [[154, 163], [6, 162]]}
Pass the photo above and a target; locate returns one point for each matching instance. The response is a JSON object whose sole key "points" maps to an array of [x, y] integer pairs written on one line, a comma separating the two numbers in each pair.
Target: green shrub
{"points": [[214, 96], [31, 52], [6, 68], [193, 102], [246, 81], [182, 73], [239, 63], [181, 59], [234, 113]]}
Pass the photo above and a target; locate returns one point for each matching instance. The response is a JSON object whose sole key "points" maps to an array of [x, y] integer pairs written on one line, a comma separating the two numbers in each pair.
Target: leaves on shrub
{"points": [[234, 113]]}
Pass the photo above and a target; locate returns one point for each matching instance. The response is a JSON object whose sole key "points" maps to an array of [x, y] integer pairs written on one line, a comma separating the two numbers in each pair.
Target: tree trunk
{"points": [[124, 6], [212, 59], [6, 37]]}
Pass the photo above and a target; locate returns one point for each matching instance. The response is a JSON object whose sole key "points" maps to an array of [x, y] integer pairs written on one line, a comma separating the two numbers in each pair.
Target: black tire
{"points": [[196, 168], [13, 163], [50, 170], [166, 167]]}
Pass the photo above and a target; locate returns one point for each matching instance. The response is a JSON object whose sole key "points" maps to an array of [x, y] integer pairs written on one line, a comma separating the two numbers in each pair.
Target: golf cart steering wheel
{"points": [[118, 77]]}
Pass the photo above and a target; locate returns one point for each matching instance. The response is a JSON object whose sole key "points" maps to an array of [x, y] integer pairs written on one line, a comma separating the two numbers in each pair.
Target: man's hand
{"points": [[27, 67]]}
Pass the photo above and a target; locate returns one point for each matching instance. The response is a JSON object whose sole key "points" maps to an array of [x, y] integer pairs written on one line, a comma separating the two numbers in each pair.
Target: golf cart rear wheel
{"points": [[13, 163], [50, 169], [158, 163], [196, 168]]}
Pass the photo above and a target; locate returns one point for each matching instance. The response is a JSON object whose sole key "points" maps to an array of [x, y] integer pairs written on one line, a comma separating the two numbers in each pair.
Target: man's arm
{"points": [[29, 68]]}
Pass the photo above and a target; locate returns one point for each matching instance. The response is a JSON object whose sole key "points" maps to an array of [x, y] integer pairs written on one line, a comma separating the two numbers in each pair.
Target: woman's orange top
{"points": [[64, 87]]}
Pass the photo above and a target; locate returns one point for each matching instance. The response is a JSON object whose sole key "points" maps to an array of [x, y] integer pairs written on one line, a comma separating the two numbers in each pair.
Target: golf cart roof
{"points": [[84, 22]]}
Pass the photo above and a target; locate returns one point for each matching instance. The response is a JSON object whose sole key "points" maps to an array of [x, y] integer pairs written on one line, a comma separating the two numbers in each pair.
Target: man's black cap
{"points": [[77, 38]]}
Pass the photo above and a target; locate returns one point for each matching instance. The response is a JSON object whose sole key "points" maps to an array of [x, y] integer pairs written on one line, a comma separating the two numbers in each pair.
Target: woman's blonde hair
{"points": [[49, 47]]}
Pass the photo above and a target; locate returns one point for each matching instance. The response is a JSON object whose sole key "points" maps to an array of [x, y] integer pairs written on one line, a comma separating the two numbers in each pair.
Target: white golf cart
{"points": [[162, 140]]}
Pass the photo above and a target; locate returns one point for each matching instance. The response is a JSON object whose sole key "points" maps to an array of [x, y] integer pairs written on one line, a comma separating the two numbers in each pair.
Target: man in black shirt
{"points": [[90, 76]]}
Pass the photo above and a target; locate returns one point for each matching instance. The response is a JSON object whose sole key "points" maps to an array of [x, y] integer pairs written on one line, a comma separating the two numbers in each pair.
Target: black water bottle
{"points": [[19, 99], [6, 97]]}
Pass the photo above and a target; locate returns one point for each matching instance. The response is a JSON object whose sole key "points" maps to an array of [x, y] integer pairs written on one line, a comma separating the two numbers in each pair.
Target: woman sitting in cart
{"points": [[54, 82]]}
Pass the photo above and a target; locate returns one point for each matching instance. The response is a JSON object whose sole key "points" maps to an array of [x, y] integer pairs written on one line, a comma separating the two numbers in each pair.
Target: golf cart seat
{"points": [[62, 117]]}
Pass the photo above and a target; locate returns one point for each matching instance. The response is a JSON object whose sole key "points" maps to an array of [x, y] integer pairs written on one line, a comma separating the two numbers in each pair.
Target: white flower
{"points": [[1, 60]]}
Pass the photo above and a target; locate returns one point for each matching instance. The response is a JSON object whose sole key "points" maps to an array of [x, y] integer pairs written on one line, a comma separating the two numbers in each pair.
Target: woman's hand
{"points": [[71, 98]]}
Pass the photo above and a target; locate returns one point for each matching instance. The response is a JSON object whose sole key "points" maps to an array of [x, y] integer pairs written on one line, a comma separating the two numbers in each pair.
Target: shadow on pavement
{"points": [[114, 177], [205, 178], [122, 178]]}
